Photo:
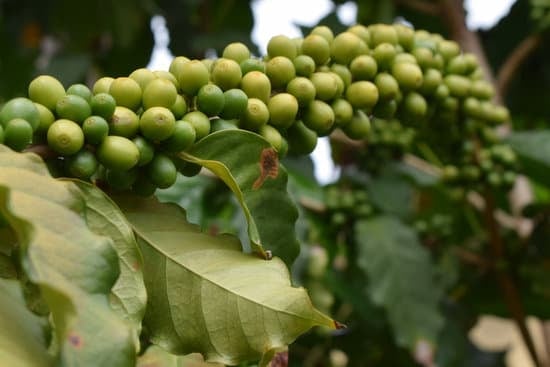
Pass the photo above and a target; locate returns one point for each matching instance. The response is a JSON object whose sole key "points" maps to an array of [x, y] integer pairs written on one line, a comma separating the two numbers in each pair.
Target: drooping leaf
{"points": [[250, 167], [533, 150], [158, 357], [74, 268], [207, 296], [401, 279], [129, 296], [22, 342]]}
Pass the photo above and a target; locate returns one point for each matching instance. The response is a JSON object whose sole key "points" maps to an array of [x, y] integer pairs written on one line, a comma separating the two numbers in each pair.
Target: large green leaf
{"points": [[250, 167], [129, 296], [401, 279], [22, 342], [533, 149], [207, 296], [74, 268]]}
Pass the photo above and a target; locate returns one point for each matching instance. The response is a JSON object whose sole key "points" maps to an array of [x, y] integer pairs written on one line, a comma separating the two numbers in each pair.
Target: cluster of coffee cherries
{"points": [[345, 204], [128, 131], [495, 165]]}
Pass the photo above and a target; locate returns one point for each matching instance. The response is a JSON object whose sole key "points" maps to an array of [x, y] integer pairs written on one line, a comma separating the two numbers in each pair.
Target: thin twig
{"points": [[504, 279], [513, 62], [472, 258]]}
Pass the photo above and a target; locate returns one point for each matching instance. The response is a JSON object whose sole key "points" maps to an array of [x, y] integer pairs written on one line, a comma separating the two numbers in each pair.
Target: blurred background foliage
{"points": [[81, 41]]}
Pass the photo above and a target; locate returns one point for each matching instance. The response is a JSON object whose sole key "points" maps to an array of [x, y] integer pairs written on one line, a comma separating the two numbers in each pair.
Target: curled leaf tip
{"points": [[339, 325]]}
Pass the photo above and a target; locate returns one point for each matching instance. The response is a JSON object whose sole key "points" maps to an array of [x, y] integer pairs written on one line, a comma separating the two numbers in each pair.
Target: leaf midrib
{"points": [[150, 243]]}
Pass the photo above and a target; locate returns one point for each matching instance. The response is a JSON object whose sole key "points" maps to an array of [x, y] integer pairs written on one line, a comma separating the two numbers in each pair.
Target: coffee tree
{"points": [[166, 217]]}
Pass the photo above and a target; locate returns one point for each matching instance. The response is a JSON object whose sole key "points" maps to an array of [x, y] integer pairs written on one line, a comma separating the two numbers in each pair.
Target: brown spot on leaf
{"points": [[75, 340], [269, 167], [136, 265], [280, 360]]}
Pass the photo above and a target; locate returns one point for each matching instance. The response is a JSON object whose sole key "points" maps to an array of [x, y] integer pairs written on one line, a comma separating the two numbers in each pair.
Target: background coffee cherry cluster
{"points": [[127, 131]]}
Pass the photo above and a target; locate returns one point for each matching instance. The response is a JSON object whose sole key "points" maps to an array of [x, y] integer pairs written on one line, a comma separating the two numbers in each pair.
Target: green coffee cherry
{"points": [[301, 139], [143, 77], [363, 67], [162, 74], [183, 137], [283, 108], [319, 117], [236, 51], [255, 115], [20, 108], [46, 90], [409, 76], [200, 123], [192, 76], [326, 85], [124, 122], [235, 102], [210, 100], [359, 126], [162, 171], [159, 93], [226, 74], [281, 46], [176, 66], [343, 112], [280, 70], [73, 107], [46, 119], [17, 134], [146, 150], [157, 123], [317, 48], [362, 94], [179, 108], [384, 54], [252, 64], [102, 85], [117, 153], [304, 65], [302, 89], [387, 86], [126, 92], [272, 136], [103, 105], [81, 165], [65, 137], [95, 129], [345, 47], [323, 31], [80, 90], [256, 85], [362, 32]]}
